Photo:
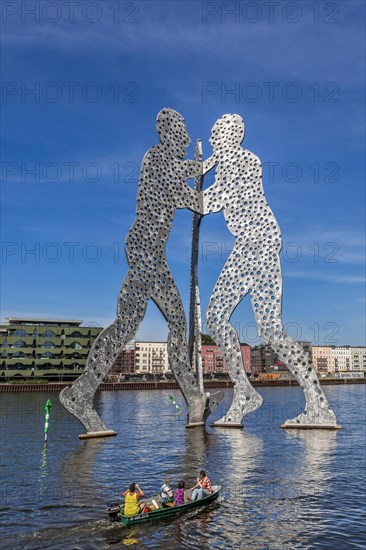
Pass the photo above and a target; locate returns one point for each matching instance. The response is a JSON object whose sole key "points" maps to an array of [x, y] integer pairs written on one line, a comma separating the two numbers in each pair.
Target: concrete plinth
{"points": [[311, 426], [227, 425], [108, 433], [195, 424]]}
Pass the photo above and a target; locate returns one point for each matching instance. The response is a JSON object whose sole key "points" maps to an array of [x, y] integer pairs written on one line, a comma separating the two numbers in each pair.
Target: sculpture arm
{"points": [[208, 164], [211, 200], [193, 168], [189, 198]]}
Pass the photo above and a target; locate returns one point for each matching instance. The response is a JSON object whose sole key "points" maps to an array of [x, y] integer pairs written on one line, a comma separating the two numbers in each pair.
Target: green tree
{"points": [[206, 339]]}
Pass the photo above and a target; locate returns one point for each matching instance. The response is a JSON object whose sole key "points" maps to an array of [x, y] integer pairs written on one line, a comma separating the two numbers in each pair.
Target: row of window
{"points": [[46, 355], [44, 366], [159, 349], [47, 344], [48, 334]]}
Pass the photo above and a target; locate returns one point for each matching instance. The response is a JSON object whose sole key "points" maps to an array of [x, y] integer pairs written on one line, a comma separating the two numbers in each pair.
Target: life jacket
{"points": [[166, 491]]}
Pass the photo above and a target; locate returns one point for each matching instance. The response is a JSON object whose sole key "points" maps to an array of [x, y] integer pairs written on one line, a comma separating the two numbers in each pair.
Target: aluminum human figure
{"points": [[252, 268], [162, 189]]}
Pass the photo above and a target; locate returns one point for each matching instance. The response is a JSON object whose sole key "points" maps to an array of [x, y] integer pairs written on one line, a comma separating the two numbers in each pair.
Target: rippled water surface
{"points": [[281, 489]]}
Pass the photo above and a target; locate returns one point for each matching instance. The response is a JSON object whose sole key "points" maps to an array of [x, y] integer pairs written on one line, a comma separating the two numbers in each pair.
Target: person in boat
{"points": [[202, 488], [166, 492], [181, 494], [132, 504]]}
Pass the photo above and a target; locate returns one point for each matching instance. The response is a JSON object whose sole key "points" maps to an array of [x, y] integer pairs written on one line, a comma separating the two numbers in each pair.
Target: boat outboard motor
{"points": [[113, 510]]}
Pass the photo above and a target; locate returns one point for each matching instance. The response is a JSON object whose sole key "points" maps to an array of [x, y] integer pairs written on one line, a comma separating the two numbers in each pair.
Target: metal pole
{"points": [[195, 326]]}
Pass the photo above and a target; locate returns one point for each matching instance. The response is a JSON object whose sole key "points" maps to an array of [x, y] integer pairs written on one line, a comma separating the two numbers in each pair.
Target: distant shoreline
{"points": [[167, 385]]}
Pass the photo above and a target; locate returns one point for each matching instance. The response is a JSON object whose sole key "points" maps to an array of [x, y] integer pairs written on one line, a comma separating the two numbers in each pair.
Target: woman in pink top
{"points": [[180, 494]]}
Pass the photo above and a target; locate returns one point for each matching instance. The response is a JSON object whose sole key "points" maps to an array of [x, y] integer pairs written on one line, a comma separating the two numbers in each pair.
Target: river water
{"points": [[281, 489]]}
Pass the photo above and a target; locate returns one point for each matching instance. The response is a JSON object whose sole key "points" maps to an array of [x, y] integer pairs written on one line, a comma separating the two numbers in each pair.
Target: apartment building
{"points": [[263, 357], [213, 362], [322, 359], [358, 358], [211, 359], [151, 357], [341, 358], [125, 362]]}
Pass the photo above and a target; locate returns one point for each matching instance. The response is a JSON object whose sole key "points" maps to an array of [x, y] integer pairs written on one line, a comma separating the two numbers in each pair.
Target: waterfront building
{"points": [[246, 352], [125, 361], [212, 361], [57, 349], [263, 358], [341, 358], [53, 349], [322, 359], [358, 356], [151, 357]]}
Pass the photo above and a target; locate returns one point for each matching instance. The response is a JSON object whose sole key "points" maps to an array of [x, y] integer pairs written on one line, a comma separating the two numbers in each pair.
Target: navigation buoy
{"points": [[47, 408], [171, 398]]}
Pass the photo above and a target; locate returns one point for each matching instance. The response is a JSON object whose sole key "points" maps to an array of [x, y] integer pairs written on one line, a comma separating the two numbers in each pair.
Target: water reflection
{"points": [[43, 470], [198, 444], [319, 447], [76, 473], [230, 457], [281, 489], [293, 501]]}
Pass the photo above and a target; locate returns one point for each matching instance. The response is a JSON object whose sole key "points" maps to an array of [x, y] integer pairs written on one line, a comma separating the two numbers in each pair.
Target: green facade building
{"points": [[52, 349]]}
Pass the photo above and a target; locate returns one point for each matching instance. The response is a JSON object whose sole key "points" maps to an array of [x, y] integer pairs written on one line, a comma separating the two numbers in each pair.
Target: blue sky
{"points": [[296, 75]]}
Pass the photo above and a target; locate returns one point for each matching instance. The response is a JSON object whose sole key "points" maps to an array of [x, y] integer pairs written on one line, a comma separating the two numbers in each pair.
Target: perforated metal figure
{"points": [[253, 267], [162, 189]]}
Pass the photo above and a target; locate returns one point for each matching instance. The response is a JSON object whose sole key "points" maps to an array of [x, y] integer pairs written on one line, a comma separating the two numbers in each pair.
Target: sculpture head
{"points": [[173, 132], [227, 132]]}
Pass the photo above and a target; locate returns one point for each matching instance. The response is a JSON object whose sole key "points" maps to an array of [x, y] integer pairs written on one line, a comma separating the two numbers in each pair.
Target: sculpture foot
{"points": [[202, 407], [321, 418], [238, 410], [76, 403], [90, 435], [212, 401]]}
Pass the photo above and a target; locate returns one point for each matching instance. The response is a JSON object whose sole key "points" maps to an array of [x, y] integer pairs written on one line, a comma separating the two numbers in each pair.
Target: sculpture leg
{"points": [[227, 294], [78, 399], [267, 309], [167, 298]]}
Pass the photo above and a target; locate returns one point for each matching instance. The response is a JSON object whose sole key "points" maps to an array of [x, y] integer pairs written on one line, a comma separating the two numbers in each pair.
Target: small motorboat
{"points": [[115, 509]]}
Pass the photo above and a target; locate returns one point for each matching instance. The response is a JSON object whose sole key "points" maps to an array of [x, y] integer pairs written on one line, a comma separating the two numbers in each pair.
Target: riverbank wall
{"points": [[164, 385]]}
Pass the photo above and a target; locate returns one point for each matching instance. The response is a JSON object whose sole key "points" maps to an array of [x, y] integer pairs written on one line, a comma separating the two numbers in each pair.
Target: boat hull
{"points": [[161, 513]]}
